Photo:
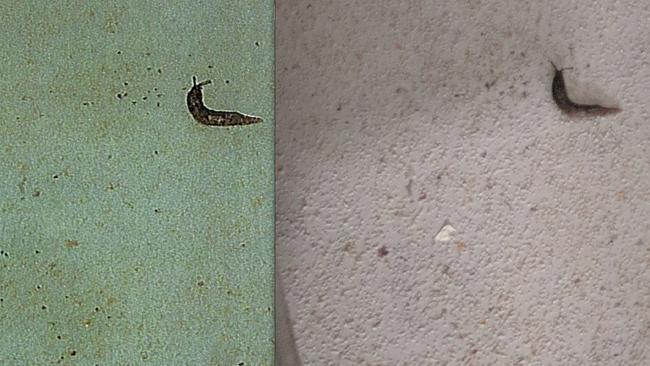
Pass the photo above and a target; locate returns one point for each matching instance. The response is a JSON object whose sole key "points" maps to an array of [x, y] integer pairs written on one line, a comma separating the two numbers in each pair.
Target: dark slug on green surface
{"points": [[566, 105], [206, 116]]}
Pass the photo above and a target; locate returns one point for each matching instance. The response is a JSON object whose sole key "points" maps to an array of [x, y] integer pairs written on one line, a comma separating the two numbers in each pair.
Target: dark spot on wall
{"points": [[209, 66], [44, 307], [200, 283], [257, 44], [227, 81], [73, 353], [382, 252]]}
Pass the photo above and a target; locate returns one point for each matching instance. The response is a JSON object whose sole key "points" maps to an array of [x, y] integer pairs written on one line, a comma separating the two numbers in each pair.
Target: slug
{"points": [[207, 116], [566, 105]]}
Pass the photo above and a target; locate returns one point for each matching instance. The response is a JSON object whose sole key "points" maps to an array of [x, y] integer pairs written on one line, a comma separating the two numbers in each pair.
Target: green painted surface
{"points": [[130, 234]]}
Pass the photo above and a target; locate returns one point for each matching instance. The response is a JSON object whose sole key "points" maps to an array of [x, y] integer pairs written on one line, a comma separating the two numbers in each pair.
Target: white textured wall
{"points": [[396, 117]]}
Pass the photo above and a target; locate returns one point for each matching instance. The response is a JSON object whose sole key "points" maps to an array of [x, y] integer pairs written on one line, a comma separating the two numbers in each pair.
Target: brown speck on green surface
{"points": [[71, 244]]}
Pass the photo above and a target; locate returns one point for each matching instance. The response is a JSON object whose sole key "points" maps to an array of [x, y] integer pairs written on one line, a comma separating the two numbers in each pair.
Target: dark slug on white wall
{"points": [[566, 105]]}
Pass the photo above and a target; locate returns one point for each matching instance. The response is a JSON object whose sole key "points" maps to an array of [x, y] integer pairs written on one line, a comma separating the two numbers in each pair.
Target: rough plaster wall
{"points": [[396, 117]]}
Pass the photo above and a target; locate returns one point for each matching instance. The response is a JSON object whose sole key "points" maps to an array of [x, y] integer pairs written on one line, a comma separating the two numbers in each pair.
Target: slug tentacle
{"points": [[207, 116], [566, 105]]}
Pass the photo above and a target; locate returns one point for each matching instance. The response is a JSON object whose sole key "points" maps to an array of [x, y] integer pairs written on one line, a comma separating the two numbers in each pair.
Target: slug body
{"points": [[566, 105], [207, 116]]}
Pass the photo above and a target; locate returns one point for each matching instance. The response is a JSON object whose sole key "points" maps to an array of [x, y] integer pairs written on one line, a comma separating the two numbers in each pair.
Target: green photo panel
{"points": [[136, 183]]}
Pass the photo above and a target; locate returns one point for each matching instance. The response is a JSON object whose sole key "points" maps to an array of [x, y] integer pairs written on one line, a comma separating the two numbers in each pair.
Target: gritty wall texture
{"points": [[396, 119]]}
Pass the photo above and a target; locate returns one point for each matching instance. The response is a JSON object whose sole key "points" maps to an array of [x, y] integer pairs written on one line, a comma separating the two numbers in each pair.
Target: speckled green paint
{"points": [[129, 233]]}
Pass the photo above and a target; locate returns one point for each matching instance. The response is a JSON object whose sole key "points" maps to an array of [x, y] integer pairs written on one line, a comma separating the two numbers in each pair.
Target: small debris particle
{"points": [[422, 196], [119, 52], [227, 81], [157, 104], [73, 353], [159, 71], [382, 252], [200, 283], [460, 246], [144, 98], [257, 44], [209, 66], [134, 102], [149, 68], [44, 307], [87, 322], [445, 234], [85, 103], [119, 95], [126, 83], [36, 193], [71, 243]]}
